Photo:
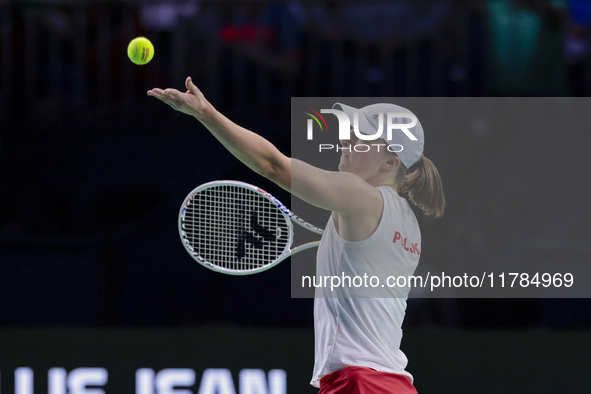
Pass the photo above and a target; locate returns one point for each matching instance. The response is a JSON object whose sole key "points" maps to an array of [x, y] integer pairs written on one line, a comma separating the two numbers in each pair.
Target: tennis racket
{"points": [[238, 229]]}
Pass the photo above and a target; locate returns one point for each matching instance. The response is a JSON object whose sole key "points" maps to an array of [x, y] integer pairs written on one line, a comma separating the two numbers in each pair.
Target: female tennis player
{"points": [[372, 230]]}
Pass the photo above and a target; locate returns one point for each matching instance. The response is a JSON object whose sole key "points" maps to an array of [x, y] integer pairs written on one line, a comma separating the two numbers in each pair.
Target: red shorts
{"points": [[362, 380]]}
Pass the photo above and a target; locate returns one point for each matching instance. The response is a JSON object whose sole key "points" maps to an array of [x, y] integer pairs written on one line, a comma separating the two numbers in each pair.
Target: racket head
{"points": [[235, 228]]}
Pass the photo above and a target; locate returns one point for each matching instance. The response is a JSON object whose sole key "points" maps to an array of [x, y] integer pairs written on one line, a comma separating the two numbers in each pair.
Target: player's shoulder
{"points": [[398, 205]]}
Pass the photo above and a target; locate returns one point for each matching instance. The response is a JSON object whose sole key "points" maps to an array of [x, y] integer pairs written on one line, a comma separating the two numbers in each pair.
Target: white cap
{"points": [[368, 124]]}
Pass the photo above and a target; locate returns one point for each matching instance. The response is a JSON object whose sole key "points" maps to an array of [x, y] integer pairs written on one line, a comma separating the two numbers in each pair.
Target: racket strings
{"points": [[235, 228]]}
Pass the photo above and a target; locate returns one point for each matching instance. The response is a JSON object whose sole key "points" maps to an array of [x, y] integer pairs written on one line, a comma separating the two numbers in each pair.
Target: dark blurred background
{"points": [[92, 171]]}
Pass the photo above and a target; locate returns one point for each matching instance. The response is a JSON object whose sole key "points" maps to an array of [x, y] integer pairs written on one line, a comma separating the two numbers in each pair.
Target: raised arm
{"points": [[253, 150], [335, 191]]}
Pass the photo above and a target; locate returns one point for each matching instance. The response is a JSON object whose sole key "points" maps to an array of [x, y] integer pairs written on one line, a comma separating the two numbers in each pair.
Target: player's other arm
{"points": [[253, 150], [335, 191]]}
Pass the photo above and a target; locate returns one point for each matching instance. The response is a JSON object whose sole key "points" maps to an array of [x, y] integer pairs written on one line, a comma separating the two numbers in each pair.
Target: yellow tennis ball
{"points": [[140, 50]]}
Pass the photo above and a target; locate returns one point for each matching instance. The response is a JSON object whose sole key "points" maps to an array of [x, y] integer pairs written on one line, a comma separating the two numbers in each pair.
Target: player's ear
{"points": [[391, 162]]}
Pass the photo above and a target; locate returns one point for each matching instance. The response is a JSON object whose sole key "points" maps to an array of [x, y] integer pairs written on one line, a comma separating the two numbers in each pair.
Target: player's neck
{"points": [[381, 180]]}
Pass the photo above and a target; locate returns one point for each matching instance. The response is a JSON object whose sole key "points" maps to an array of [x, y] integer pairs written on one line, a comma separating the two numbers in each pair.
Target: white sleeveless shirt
{"points": [[350, 328]]}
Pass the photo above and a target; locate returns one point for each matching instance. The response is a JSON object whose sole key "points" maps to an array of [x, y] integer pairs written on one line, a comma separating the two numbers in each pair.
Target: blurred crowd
{"points": [[85, 164]]}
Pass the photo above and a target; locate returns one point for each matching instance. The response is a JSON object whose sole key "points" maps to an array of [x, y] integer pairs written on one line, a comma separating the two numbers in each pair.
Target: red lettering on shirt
{"points": [[414, 247]]}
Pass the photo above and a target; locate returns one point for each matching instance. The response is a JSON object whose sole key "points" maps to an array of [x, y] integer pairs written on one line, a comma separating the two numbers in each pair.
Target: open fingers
{"points": [[165, 96], [179, 101], [171, 94]]}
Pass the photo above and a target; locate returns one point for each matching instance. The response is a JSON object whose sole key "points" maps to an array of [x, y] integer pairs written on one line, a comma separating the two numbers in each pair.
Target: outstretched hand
{"points": [[191, 103]]}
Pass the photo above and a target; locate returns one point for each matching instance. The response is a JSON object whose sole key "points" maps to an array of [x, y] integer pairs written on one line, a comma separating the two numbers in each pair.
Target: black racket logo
{"points": [[255, 240]]}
